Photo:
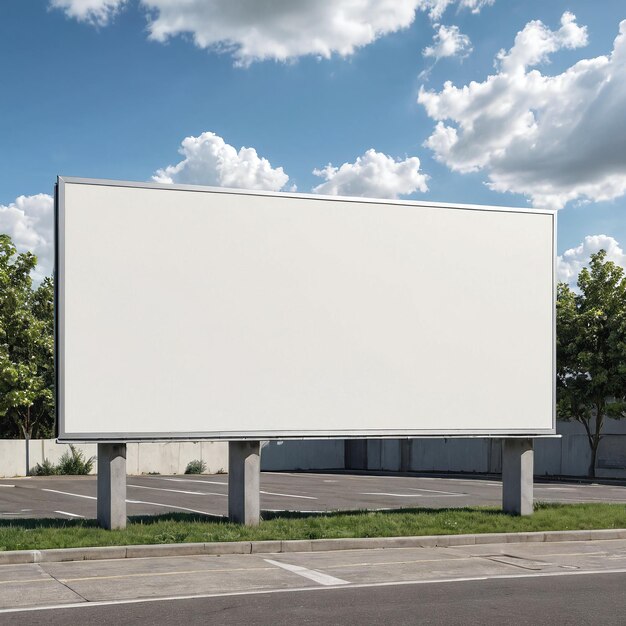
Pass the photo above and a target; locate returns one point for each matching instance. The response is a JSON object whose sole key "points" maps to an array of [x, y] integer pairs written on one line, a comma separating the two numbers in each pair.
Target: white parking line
{"points": [[311, 574], [167, 506], [172, 506], [7, 485], [287, 495], [193, 493], [409, 495], [298, 511], [191, 480], [70, 514], [476, 482], [67, 493], [447, 493], [582, 498]]}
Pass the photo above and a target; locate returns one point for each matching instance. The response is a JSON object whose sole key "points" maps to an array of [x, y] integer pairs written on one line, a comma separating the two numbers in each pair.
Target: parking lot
{"points": [[75, 496]]}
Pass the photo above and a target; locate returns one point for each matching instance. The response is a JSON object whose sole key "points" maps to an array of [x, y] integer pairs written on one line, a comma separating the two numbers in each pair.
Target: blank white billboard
{"points": [[201, 313]]}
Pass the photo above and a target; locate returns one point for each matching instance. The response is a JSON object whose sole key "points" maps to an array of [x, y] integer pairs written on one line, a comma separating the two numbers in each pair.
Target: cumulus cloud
{"points": [[448, 41], [436, 8], [373, 175], [209, 160], [255, 30], [29, 222], [569, 264], [553, 138], [96, 12]]}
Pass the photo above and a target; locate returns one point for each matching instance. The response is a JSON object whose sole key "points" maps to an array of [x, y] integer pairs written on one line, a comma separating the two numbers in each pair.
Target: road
{"points": [[75, 496], [524, 583]]}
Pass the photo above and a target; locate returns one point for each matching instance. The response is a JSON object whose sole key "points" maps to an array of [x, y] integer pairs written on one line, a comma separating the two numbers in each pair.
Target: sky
{"points": [[499, 102]]}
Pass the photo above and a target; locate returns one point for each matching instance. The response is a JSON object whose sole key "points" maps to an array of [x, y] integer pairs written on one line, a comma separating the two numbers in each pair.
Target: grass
{"points": [[39, 534]]}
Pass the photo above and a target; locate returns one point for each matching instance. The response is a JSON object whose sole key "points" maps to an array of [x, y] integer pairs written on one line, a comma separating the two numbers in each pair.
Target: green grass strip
{"points": [[40, 534]]}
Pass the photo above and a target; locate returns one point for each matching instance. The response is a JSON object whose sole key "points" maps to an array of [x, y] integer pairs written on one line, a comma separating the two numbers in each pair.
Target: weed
{"points": [[195, 467]]}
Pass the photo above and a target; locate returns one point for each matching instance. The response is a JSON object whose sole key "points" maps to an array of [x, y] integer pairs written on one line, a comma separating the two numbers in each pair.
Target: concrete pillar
{"points": [[517, 476], [244, 474], [112, 485]]}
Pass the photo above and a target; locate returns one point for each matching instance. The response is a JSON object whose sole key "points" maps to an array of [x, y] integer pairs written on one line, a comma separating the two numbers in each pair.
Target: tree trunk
{"points": [[27, 451], [594, 453], [595, 439], [591, 472]]}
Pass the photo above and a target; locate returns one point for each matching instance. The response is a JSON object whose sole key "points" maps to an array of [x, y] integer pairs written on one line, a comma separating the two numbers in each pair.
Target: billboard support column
{"points": [[517, 476], [112, 485], [244, 473]]}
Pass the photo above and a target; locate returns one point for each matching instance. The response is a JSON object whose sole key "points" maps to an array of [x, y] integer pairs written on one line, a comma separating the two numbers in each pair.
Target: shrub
{"points": [[74, 462], [47, 468], [195, 467]]}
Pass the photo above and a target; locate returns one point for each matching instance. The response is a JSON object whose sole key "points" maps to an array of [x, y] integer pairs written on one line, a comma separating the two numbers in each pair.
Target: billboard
{"points": [[205, 313]]}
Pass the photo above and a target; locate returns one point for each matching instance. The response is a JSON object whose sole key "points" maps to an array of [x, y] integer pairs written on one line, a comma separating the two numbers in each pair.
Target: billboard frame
{"points": [[224, 435]]}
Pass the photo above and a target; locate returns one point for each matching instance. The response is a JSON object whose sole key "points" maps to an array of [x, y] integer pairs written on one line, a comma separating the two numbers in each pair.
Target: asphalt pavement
{"points": [[75, 496]]}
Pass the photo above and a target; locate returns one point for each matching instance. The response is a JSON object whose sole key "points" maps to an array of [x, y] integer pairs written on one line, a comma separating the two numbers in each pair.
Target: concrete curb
{"points": [[15, 557]]}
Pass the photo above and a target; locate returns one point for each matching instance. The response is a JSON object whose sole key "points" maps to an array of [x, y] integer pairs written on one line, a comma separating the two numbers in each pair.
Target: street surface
{"points": [[524, 583], [75, 496]]}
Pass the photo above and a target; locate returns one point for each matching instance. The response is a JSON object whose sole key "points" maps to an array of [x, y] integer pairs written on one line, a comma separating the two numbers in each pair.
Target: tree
{"points": [[591, 349], [26, 346]]}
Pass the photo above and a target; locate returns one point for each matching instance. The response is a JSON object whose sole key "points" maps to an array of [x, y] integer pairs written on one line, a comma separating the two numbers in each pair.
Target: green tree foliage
{"points": [[26, 347], [591, 349]]}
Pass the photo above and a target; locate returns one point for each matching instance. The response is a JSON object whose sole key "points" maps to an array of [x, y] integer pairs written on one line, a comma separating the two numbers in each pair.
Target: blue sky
{"points": [[112, 92]]}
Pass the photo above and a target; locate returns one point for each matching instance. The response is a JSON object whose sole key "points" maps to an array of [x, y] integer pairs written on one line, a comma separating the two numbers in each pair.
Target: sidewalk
{"points": [[303, 565]]}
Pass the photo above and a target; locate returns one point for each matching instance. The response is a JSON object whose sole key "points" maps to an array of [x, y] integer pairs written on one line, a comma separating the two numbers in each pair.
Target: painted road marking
{"points": [[70, 514], [287, 495], [167, 506], [172, 506], [7, 485], [447, 493], [253, 592], [311, 574], [191, 480], [76, 495], [408, 495], [298, 511], [583, 498], [193, 493]]}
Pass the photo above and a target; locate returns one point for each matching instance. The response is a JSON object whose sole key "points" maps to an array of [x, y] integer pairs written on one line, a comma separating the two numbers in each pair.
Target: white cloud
{"points": [[436, 8], [255, 30], [448, 41], [209, 160], [553, 138], [29, 222], [569, 264], [373, 175], [96, 12], [536, 42]]}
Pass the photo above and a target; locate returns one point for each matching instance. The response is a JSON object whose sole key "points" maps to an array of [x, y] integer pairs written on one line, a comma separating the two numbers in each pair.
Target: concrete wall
{"points": [[162, 458], [302, 455], [568, 456]]}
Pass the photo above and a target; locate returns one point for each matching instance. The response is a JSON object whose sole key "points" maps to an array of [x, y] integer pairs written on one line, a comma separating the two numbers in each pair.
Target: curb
{"points": [[17, 557]]}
